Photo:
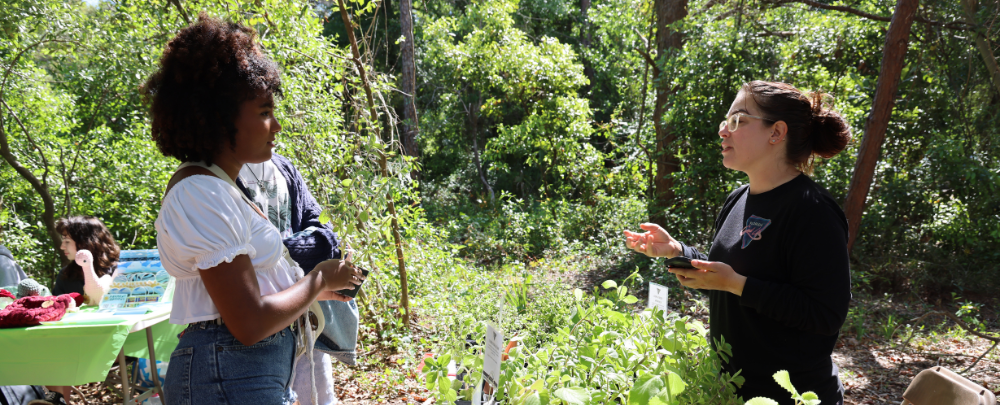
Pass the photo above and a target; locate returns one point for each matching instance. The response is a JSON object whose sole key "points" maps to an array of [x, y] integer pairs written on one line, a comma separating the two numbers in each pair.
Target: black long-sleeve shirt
{"points": [[791, 244]]}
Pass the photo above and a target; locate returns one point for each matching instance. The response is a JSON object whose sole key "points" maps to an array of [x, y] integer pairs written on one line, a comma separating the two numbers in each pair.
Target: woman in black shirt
{"points": [[79, 233], [777, 274]]}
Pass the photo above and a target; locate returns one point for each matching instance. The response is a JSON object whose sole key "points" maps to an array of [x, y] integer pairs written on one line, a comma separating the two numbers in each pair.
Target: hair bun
{"points": [[829, 133]]}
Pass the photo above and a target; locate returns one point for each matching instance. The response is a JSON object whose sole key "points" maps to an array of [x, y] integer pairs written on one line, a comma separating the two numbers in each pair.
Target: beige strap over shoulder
{"points": [[218, 172]]}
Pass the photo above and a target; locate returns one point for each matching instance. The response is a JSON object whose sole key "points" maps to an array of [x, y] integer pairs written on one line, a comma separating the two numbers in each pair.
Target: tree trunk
{"points": [[383, 164], [878, 120], [473, 112], [982, 42], [588, 68], [411, 125], [48, 203], [668, 41]]}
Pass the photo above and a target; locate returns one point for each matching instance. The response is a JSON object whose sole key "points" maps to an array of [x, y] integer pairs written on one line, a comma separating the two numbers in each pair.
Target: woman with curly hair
{"points": [[777, 274], [93, 257], [212, 107], [79, 234]]}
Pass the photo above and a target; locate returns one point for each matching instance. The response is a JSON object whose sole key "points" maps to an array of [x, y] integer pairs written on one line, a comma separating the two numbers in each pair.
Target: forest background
{"points": [[491, 142]]}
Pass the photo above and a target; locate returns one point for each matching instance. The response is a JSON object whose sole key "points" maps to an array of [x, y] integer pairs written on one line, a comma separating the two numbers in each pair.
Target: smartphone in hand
{"points": [[680, 262], [353, 292]]}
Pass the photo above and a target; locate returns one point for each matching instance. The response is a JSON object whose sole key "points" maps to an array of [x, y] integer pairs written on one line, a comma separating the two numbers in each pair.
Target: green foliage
{"points": [[518, 99], [456, 293], [934, 183], [606, 354], [71, 116], [520, 230], [783, 379]]}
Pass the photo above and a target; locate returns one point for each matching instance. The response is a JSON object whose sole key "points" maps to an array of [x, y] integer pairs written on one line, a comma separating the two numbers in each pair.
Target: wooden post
{"points": [[878, 120]]}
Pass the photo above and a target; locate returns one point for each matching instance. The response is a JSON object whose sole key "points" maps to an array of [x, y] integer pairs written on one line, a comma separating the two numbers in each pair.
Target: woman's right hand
{"points": [[339, 275], [655, 242]]}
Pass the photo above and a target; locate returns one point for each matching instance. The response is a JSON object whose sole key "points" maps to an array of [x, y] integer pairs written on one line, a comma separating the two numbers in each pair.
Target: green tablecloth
{"points": [[81, 348]]}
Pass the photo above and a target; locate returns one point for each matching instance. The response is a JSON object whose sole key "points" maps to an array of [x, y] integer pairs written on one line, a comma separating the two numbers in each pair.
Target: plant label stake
{"points": [[658, 297], [492, 352]]}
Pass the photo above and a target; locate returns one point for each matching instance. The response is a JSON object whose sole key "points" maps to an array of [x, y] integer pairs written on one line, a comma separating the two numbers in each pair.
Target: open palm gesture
{"points": [[655, 242]]}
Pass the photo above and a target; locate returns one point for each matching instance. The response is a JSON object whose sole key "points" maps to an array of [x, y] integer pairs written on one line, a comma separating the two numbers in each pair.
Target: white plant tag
{"points": [[658, 297], [492, 351]]}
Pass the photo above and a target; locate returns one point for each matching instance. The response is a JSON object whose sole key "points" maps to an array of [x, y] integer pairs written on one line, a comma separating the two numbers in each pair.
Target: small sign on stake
{"points": [[492, 352], [658, 297]]}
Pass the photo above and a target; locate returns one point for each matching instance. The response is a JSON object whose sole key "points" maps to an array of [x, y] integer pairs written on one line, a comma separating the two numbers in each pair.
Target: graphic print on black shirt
{"points": [[791, 244], [755, 226]]}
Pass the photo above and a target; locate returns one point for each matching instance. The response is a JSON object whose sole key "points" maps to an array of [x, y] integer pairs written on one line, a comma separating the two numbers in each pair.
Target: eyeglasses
{"points": [[733, 122]]}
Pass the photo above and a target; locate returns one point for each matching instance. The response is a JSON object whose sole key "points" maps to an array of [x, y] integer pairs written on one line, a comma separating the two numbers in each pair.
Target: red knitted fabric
{"points": [[5, 293], [28, 311], [77, 297]]}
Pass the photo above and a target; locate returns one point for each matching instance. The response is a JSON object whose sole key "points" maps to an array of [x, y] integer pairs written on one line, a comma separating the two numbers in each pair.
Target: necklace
{"points": [[259, 190]]}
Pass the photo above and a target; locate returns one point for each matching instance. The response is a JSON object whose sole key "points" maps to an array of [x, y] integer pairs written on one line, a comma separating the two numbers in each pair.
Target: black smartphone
{"points": [[353, 292], [680, 262]]}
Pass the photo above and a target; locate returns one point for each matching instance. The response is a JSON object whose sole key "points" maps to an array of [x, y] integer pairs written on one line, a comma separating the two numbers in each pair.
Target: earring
{"points": [[773, 141]]}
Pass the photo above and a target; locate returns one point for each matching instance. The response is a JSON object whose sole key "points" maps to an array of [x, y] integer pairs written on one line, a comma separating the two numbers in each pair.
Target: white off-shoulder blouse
{"points": [[204, 221]]}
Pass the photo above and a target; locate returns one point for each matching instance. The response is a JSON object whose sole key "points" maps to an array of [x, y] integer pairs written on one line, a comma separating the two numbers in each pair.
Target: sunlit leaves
{"points": [[607, 356]]}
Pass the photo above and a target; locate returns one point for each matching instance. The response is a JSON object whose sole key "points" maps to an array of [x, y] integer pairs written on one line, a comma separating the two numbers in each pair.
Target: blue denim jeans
{"points": [[340, 336], [209, 366]]}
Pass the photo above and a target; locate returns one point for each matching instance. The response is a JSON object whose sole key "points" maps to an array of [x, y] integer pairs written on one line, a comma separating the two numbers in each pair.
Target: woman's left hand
{"points": [[710, 276]]}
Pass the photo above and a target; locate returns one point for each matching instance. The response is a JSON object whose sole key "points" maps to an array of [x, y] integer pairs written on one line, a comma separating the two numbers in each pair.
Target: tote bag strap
{"points": [[218, 172]]}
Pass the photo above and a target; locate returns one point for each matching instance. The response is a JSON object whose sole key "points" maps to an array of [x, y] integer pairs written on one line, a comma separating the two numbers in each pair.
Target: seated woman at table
{"points": [[93, 256], [212, 107]]}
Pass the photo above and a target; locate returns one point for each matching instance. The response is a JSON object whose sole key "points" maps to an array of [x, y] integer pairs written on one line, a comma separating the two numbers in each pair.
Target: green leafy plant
{"points": [[888, 328], [857, 317], [516, 293], [606, 354], [783, 379]]}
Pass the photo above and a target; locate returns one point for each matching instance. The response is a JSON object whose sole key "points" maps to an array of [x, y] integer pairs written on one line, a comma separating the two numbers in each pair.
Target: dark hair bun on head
{"points": [[814, 128], [828, 131]]}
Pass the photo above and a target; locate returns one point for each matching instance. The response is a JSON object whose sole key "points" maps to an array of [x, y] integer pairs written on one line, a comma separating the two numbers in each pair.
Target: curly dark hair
{"points": [[206, 72], [90, 233]]}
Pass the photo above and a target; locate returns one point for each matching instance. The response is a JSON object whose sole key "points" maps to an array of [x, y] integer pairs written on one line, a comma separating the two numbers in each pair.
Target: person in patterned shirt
{"points": [[278, 189]]}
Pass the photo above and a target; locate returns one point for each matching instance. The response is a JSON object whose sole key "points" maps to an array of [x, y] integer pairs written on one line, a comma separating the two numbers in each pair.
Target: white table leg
{"points": [[155, 373], [123, 372]]}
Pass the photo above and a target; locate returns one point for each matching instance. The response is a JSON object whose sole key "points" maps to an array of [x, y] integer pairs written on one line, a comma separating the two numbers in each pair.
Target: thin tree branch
{"points": [[955, 25], [45, 161], [48, 213], [13, 62], [649, 60], [65, 179], [982, 43], [184, 14], [979, 358], [373, 119]]}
